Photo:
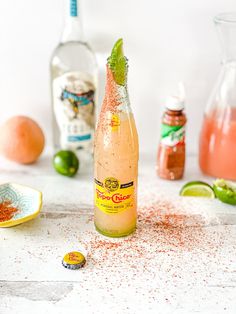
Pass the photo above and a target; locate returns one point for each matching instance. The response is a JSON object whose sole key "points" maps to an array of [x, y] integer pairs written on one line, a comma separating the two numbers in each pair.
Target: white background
{"points": [[165, 41]]}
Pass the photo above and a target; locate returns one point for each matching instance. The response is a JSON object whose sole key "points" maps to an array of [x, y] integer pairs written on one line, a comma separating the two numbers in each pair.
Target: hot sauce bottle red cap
{"points": [[176, 103]]}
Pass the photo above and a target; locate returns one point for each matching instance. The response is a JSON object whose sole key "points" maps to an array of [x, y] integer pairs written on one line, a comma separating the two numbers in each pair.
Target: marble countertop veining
{"points": [[182, 258]]}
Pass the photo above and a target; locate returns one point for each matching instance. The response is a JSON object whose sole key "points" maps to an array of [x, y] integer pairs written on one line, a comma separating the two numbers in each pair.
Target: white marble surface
{"points": [[187, 267]]}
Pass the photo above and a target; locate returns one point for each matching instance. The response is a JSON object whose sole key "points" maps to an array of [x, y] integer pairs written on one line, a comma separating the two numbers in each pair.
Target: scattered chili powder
{"points": [[180, 250], [163, 228], [7, 211]]}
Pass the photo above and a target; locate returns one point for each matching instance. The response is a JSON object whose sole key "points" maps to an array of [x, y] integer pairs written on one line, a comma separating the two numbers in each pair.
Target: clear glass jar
{"points": [[217, 147]]}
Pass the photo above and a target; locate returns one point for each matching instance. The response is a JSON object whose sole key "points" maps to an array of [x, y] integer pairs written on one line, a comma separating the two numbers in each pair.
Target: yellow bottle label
{"points": [[113, 121], [112, 197]]}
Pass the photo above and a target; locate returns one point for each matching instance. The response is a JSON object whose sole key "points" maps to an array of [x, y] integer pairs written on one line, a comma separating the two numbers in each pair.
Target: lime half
{"points": [[197, 188], [66, 163], [225, 191]]}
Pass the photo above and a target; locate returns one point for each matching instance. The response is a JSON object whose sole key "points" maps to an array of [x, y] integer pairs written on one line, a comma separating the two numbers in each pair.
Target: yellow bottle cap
{"points": [[73, 260]]}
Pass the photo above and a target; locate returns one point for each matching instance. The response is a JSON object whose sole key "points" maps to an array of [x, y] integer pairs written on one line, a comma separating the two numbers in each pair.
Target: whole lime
{"points": [[66, 163]]}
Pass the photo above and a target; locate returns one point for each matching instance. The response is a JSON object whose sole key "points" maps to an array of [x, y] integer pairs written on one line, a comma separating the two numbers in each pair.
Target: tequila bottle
{"points": [[73, 84]]}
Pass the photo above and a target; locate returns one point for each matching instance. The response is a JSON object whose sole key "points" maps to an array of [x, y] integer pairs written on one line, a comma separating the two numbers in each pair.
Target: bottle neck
{"points": [[73, 29], [174, 117], [116, 96]]}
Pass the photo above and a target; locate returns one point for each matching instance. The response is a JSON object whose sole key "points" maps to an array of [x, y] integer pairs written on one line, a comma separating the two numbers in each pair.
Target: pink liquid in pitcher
{"points": [[217, 155]]}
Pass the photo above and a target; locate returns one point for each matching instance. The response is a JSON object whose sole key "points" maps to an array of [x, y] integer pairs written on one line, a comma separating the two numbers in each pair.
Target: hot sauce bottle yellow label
{"points": [[113, 197]]}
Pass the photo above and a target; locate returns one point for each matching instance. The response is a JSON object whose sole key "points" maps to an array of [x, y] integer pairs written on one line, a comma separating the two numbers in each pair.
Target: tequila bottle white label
{"points": [[74, 110]]}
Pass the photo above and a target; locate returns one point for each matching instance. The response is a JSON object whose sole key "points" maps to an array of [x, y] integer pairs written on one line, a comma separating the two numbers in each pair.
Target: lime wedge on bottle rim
{"points": [[197, 189], [117, 62], [225, 191]]}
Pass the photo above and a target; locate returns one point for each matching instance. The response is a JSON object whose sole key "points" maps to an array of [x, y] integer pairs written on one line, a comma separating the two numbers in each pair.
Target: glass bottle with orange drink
{"points": [[217, 155], [116, 154]]}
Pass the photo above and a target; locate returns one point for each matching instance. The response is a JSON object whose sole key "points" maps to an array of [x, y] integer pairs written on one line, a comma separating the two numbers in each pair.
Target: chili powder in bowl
{"points": [[18, 204]]}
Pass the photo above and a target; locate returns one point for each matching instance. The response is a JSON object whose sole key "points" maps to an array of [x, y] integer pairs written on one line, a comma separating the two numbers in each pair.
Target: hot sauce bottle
{"points": [[171, 151]]}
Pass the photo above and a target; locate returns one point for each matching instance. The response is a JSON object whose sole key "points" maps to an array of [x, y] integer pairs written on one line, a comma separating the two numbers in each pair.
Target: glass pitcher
{"points": [[217, 149]]}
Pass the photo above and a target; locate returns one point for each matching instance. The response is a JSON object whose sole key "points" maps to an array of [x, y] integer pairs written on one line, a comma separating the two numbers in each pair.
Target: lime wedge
{"points": [[225, 191], [117, 62], [197, 188]]}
